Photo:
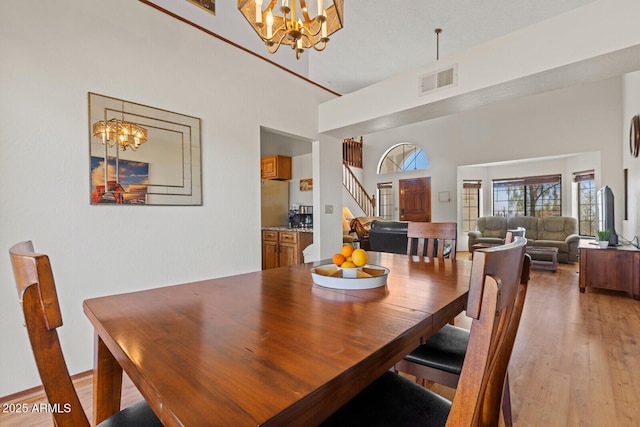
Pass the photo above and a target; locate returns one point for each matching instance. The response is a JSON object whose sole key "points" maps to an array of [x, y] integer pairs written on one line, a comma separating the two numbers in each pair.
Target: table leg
{"points": [[107, 382]]}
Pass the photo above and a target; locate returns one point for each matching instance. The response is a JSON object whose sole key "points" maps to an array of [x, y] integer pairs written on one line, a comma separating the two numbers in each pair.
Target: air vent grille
{"points": [[438, 80]]}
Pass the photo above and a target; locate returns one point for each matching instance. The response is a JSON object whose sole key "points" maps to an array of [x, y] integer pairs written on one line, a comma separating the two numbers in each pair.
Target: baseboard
{"points": [[39, 390]]}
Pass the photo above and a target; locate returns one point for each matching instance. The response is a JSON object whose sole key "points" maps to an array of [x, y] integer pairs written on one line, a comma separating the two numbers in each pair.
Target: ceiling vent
{"points": [[438, 80]]}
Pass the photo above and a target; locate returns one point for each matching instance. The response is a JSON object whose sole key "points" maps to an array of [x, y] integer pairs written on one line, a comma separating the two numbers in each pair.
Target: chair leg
{"points": [[506, 403]]}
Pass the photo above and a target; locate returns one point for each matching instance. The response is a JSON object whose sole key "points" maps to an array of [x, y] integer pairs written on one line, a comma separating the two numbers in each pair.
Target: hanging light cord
{"points": [[438, 31]]}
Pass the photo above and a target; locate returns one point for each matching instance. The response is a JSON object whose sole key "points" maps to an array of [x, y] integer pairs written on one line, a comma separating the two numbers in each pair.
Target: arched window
{"points": [[403, 157]]}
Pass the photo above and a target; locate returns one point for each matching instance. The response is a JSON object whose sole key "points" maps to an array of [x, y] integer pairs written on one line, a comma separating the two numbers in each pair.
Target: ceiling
{"points": [[277, 142], [380, 39], [383, 38]]}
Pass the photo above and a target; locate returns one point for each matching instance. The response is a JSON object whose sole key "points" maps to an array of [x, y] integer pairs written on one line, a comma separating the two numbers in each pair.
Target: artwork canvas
{"points": [[129, 188], [306, 184], [208, 5]]}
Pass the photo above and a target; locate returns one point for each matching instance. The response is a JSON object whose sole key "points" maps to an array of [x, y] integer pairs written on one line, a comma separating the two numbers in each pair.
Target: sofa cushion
{"points": [[556, 228], [492, 226], [529, 223]]}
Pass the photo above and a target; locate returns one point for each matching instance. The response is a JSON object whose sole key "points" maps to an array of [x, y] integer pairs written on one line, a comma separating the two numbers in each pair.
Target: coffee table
{"points": [[549, 261]]}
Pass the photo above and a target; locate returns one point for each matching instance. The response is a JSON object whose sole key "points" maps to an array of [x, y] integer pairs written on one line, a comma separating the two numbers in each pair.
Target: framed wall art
{"points": [[306, 184], [152, 156], [208, 5]]}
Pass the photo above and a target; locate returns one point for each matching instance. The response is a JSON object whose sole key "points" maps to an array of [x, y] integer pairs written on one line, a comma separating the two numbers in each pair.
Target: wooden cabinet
{"points": [[269, 249], [275, 167], [616, 268], [283, 248]]}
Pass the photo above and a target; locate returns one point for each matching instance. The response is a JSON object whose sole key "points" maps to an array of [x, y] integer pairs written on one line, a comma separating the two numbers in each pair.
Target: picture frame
{"points": [[306, 184], [208, 5], [132, 190], [169, 143]]}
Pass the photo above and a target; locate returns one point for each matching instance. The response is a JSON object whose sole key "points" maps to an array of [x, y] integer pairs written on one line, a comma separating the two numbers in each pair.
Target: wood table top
{"points": [[271, 347], [593, 244]]}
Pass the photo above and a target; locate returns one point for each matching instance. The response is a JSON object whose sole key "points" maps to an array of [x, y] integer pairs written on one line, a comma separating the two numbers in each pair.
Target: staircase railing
{"points": [[366, 202], [352, 152]]}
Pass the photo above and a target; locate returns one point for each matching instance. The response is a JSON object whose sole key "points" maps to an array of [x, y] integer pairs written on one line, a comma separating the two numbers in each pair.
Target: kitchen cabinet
{"points": [[275, 167], [283, 248], [269, 249]]}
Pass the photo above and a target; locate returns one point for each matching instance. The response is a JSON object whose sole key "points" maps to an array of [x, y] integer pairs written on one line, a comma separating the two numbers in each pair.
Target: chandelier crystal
{"points": [[293, 26], [125, 134]]}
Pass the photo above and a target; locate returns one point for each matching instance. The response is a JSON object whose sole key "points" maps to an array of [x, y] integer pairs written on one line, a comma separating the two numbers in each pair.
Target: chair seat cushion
{"points": [[444, 350], [139, 415], [392, 400]]}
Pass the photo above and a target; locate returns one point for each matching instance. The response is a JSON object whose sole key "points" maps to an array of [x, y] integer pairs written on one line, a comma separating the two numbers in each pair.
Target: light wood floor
{"points": [[84, 387], [576, 360]]}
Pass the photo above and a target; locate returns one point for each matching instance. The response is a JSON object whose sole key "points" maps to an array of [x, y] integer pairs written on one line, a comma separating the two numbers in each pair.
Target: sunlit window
{"points": [[586, 202], [403, 157], [537, 196], [470, 204], [385, 200]]}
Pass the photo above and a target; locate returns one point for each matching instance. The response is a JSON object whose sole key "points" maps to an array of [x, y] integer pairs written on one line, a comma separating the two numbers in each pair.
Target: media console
{"points": [[616, 268]]}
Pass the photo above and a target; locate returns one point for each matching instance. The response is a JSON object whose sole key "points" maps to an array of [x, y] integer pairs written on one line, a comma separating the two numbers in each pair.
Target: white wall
{"points": [[53, 54], [578, 119], [225, 24], [327, 182], [588, 43], [301, 168], [631, 107]]}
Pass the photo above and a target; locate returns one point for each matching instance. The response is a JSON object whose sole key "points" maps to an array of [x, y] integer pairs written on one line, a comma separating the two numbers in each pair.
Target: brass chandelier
{"points": [[125, 134], [292, 27]]}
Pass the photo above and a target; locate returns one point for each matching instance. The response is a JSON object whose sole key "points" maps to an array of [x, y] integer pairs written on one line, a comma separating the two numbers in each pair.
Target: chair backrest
{"points": [[37, 294], [496, 299], [428, 233], [515, 232]]}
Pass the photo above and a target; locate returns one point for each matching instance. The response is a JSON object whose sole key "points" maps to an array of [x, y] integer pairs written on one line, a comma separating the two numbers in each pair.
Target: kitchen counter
{"points": [[301, 230]]}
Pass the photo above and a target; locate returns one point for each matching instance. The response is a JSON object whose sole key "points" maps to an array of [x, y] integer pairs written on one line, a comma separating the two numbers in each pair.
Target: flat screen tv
{"points": [[605, 218]]}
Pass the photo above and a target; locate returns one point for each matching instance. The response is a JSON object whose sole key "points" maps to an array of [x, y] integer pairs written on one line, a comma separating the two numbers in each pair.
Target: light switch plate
{"points": [[328, 209]]}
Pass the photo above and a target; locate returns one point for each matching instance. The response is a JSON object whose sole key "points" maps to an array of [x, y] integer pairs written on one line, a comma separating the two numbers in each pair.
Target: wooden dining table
{"points": [[267, 348]]}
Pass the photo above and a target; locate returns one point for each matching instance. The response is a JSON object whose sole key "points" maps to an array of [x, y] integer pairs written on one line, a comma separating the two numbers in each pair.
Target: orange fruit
{"points": [[347, 250], [338, 259], [348, 264], [359, 257]]}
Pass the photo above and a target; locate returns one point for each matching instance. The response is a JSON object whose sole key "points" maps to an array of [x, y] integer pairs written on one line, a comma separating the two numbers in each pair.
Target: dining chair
{"points": [[434, 236], [495, 293], [42, 316], [440, 358]]}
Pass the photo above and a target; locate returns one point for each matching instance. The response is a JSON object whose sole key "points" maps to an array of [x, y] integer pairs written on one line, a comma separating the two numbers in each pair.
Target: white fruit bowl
{"points": [[350, 273], [330, 276]]}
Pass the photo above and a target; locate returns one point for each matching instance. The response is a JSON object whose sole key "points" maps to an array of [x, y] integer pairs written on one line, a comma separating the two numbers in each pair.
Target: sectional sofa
{"points": [[558, 231]]}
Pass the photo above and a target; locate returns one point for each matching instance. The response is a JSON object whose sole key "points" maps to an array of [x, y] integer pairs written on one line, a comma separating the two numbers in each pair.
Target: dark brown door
{"points": [[415, 199]]}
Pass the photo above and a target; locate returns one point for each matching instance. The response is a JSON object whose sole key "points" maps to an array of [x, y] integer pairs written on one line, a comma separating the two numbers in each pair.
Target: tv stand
{"points": [[616, 268]]}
